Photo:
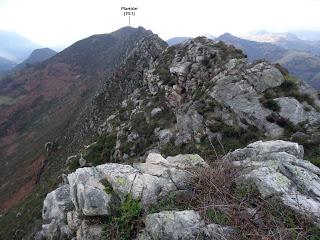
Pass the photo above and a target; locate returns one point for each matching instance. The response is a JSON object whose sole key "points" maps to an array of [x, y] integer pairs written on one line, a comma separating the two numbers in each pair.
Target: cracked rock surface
{"points": [[277, 168]]}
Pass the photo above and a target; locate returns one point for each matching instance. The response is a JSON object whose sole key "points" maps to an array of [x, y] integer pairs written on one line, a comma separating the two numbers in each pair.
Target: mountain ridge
{"points": [[199, 97], [48, 96]]}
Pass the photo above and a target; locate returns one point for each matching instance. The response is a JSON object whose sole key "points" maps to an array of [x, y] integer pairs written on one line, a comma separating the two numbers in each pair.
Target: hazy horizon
{"points": [[60, 23]]}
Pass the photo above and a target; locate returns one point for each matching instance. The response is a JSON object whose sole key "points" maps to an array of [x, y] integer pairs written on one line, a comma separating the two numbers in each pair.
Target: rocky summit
{"points": [[189, 141]]}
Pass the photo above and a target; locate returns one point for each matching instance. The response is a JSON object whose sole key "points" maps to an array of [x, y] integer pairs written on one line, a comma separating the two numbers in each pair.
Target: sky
{"points": [[62, 22]]}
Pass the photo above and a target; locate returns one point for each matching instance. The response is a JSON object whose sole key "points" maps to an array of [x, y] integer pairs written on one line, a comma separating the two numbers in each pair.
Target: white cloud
{"points": [[56, 22]]}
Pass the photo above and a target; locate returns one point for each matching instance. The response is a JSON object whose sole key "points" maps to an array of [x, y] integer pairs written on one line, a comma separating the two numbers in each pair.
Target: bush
{"points": [[271, 104], [124, 224], [272, 118], [102, 150], [221, 198]]}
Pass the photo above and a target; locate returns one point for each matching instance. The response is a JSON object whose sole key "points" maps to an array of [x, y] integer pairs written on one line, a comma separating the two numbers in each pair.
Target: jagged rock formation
{"points": [[96, 191], [276, 167], [195, 93]]}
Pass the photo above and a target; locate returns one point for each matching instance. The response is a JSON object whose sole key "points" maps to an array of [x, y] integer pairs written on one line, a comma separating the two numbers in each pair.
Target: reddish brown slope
{"points": [[47, 97]]}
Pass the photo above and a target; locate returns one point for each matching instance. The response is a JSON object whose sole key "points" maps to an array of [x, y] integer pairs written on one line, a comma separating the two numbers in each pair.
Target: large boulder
{"points": [[278, 168]]}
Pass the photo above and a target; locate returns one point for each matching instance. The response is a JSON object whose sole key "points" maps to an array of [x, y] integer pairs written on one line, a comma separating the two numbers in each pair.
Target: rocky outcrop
{"points": [[203, 89], [278, 169], [95, 191]]}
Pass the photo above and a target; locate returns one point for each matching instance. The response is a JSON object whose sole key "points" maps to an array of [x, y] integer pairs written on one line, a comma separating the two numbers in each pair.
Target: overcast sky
{"points": [[61, 22]]}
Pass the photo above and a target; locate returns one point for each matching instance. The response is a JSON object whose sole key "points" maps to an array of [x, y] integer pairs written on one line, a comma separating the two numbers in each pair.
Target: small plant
{"points": [[314, 158], [126, 222], [216, 216], [107, 186], [271, 104], [165, 204], [73, 165], [273, 118], [102, 150]]}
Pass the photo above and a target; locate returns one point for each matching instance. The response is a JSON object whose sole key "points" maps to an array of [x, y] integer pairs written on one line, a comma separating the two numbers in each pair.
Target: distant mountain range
{"points": [[302, 64], [287, 41], [15, 47], [177, 40], [6, 65], [307, 35], [37, 56]]}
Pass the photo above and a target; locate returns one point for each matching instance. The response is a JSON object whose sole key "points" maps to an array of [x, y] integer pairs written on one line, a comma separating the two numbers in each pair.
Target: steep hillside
{"points": [[303, 65], [37, 56], [45, 99]]}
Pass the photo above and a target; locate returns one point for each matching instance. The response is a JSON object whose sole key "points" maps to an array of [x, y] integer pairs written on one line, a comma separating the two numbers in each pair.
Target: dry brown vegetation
{"points": [[221, 198]]}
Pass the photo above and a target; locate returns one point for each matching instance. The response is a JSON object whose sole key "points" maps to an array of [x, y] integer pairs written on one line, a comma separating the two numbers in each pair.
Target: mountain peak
{"points": [[37, 56]]}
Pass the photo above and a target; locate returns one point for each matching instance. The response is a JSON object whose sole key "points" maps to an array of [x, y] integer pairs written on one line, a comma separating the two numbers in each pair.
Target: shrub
{"points": [[221, 198], [124, 224], [271, 104], [272, 118], [216, 216], [107, 186], [102, 150]]}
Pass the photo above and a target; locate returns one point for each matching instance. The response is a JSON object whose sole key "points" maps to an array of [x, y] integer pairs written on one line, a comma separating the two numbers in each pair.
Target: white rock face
{"points": [[155, 178], [278, 168], [55, 230], [56, 204], [294, 111], [241, 91], [189, 124], [173, 225], [87, 192], [178, 225]]}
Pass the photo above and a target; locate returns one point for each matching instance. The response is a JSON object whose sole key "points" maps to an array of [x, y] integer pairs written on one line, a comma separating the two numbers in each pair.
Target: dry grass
{"points": [[220, 198]]}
